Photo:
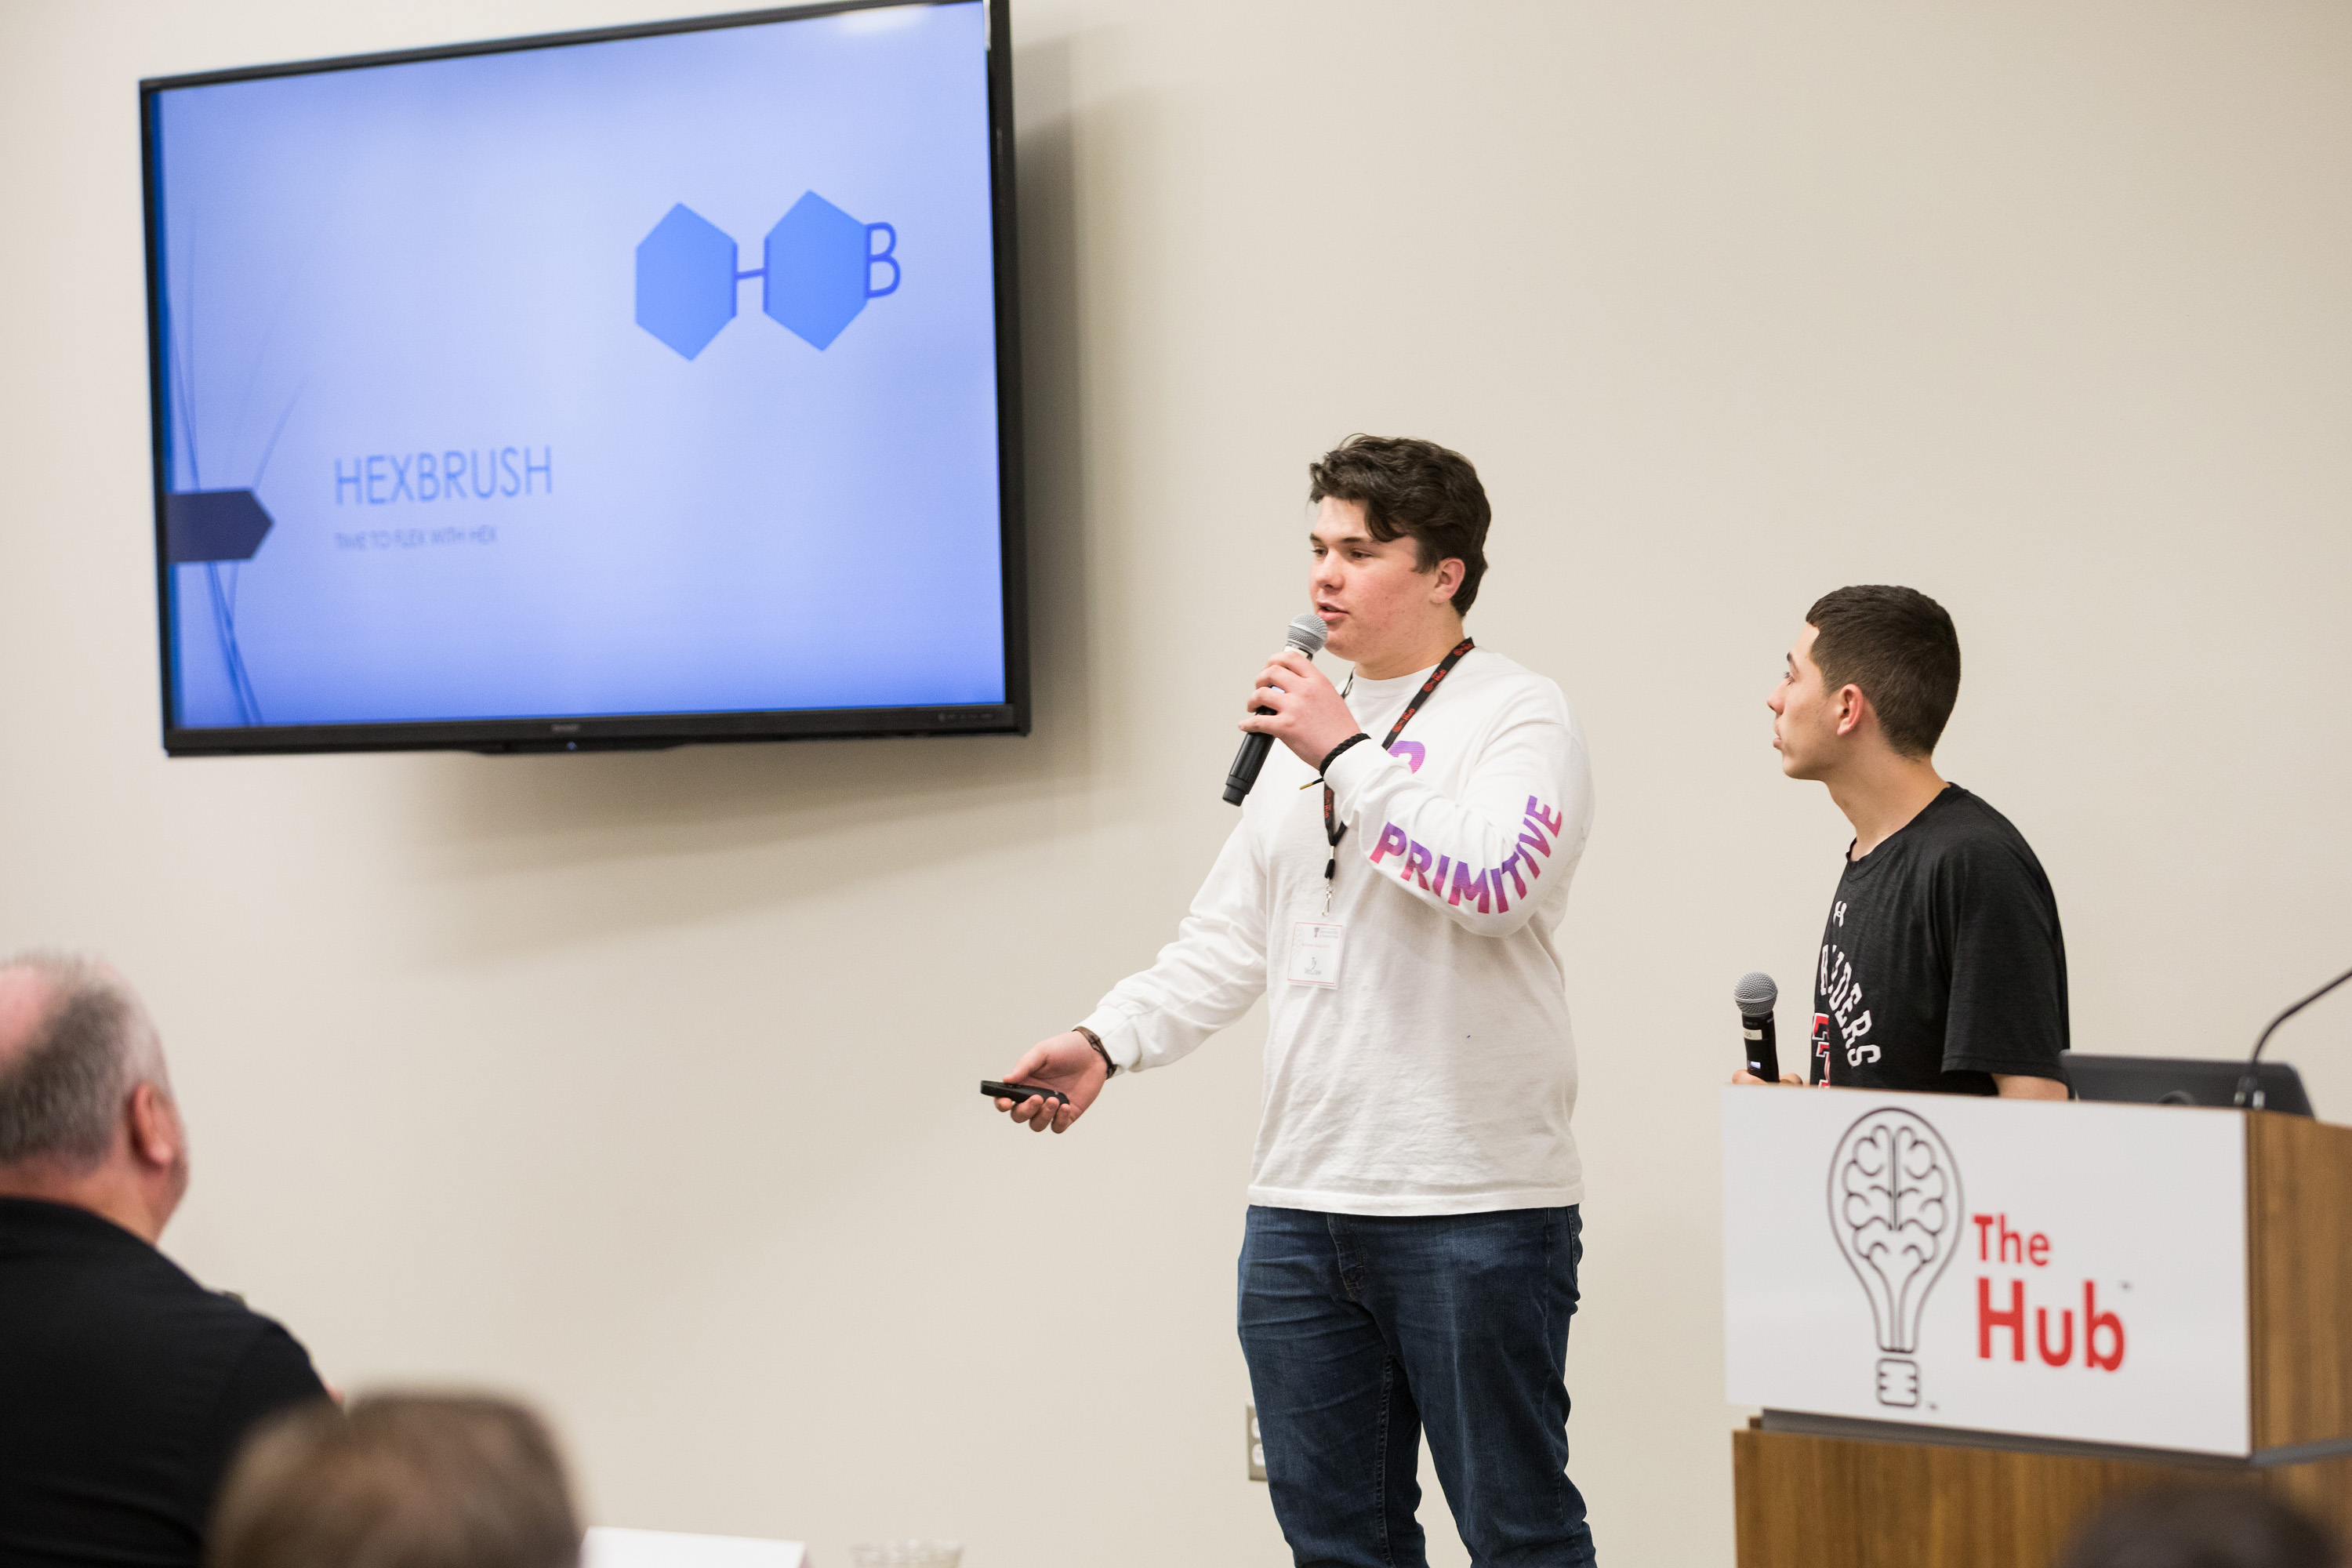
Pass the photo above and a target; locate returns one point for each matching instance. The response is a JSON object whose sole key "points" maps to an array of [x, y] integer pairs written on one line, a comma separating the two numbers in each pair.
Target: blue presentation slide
{"points": [[651, 376]]}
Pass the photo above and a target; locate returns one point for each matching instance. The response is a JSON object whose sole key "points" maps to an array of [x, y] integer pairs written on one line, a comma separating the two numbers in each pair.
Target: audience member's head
{"points": [[2202, 1527], [86, 1109], [399, 1481]]}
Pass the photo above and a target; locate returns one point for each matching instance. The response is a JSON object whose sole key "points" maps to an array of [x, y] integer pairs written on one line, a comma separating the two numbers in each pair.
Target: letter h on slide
{"points": [[816, 273]]}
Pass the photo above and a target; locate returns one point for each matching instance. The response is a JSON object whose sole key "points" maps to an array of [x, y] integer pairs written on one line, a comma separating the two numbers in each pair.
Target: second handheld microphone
{"points": [[1306, 634], [1755, 995]]}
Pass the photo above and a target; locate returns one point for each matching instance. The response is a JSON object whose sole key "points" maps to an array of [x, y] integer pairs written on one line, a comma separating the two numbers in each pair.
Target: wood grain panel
{"points": [[2299, 1277], [1827, 1502]]}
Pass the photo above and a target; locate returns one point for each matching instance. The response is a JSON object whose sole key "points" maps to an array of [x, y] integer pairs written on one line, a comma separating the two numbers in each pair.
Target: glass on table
{"points": [[905, 1555]]}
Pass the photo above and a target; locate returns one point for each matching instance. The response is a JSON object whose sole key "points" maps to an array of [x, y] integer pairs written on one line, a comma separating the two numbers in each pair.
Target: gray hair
{"points": [[62, 1085]]}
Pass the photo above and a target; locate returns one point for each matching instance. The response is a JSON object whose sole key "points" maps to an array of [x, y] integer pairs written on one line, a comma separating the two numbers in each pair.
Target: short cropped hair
{"points": [[1414, 487], [402, 1480], [1900, 647], [62, 1087]]}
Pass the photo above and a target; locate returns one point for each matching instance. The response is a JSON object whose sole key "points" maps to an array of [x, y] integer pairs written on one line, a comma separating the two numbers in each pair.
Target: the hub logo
{"points": [[816, 273]]}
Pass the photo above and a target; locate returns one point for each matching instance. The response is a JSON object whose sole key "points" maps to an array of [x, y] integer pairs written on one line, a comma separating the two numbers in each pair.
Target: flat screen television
{"points": [[619, 388]]}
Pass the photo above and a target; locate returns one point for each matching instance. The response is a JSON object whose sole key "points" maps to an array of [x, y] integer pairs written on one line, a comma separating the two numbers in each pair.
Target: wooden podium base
{"points": [[1834, 1502]]}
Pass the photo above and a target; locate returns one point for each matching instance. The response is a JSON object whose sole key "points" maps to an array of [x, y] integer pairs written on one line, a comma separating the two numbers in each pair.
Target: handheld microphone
{"points": [[1306, 634], [1755, 995]]}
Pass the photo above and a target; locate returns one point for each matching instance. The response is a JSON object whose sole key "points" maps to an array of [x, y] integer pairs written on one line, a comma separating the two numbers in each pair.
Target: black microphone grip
{"points": [[1243, 774], [1763, 1050], [1303, 635]]}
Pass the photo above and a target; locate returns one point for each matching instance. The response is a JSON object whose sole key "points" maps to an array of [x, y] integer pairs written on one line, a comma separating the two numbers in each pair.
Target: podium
{"points": [[1968, 1323]]}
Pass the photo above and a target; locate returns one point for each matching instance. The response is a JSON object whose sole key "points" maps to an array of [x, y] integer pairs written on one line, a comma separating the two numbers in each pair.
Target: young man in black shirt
{"points": [[1942, 967]]}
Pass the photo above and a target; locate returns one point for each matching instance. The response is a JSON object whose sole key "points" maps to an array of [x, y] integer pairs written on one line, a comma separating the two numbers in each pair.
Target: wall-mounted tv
{"points": [[619, 388]]}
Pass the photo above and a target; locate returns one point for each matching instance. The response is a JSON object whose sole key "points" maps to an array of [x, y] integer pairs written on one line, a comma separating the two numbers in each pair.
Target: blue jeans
{"points": [[1359, 1332]]}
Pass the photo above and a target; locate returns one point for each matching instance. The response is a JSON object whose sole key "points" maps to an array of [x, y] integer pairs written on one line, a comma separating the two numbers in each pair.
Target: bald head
{"points": [[85, 1103]]}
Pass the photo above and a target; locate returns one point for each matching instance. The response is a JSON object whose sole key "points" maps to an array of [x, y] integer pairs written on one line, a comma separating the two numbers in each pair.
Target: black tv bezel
{"points": [[587, 732]]}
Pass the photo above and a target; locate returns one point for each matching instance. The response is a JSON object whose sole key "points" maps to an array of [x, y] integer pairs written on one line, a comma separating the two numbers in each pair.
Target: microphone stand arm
{"points": [[2250, 1093]]}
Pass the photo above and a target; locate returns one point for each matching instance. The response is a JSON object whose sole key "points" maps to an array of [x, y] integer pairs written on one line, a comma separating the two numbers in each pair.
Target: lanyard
{"points": [[1333, 831]]}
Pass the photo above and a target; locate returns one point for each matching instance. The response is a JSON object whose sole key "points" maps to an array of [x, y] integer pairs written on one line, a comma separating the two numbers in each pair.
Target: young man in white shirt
{"points": [[1411, 1254]]}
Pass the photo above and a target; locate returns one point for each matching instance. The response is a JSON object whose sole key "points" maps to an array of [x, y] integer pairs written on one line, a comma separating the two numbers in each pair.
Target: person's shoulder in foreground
{"points": [[2216, 1525], [128, 1384]]}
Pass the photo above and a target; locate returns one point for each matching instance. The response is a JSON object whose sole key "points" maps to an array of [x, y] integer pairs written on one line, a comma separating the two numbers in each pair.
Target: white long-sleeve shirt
{"points": [[1437, 1076]]}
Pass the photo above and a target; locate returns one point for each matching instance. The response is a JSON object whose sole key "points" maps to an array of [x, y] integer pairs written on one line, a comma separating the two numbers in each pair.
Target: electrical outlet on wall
{"points": [[1256, 1444]]}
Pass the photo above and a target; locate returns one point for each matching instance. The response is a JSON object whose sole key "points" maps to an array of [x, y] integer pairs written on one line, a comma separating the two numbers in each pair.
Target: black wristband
{"points": [[1332, 755], [1111, 1067]]}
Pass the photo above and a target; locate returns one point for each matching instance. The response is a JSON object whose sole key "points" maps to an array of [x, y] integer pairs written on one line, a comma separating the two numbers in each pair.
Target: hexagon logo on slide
{"points": [[686, 280], [817, 266]]}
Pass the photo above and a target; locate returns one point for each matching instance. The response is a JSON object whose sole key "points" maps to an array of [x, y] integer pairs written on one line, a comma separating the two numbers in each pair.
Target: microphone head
{"points": [[1755, 994], [1306, 634]]}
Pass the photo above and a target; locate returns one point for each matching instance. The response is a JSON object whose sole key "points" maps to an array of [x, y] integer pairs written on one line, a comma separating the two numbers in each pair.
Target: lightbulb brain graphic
{"points": [[1895, 1208]]}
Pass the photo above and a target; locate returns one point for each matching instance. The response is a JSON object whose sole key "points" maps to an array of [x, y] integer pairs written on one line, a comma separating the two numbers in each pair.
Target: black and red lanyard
{"points": [[1333, 831]]}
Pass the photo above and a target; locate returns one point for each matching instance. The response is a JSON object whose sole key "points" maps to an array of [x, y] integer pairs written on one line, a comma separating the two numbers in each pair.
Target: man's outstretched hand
{"points": [[1066, 1062]]}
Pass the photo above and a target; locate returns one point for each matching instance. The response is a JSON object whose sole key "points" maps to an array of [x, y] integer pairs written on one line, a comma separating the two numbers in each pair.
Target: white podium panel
{"points": [[2066, 1270]]}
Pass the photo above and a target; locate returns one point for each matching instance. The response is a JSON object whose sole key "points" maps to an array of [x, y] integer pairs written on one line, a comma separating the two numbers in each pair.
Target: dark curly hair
{"points": [[1416, 488]]}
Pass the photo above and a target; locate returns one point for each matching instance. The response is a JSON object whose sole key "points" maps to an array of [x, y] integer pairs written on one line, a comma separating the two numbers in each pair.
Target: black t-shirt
{"points": [[125, 1387], [1942, 963]]}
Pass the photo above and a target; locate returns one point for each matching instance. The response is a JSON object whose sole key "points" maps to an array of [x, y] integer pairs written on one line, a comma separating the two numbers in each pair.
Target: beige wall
{"points": [[643, 1084]]}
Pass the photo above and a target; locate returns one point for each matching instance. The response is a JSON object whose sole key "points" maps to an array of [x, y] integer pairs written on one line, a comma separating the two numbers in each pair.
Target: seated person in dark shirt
{"points": [[403, 1480], [125, 1386], [1942, 966]]}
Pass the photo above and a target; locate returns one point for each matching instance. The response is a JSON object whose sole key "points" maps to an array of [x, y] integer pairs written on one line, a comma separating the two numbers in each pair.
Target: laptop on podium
{"points": [[2183, 1080]]}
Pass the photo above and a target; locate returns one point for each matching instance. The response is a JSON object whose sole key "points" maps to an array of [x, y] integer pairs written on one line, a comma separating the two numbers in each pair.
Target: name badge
{"points": [[1315, 953]]}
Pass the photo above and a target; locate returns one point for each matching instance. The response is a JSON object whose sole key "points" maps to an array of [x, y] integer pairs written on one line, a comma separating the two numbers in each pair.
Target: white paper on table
{"points": [[605, 1547]]}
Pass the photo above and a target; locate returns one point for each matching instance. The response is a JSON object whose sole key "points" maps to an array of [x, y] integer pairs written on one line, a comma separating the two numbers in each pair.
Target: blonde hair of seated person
{"points": [[399, 1480]]}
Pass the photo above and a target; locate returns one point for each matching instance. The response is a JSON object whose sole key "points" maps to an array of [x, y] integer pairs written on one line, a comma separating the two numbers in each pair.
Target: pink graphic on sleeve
{"points": [[1485, 888]]}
